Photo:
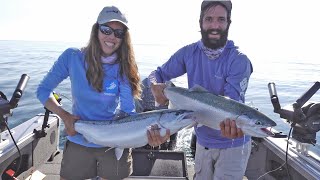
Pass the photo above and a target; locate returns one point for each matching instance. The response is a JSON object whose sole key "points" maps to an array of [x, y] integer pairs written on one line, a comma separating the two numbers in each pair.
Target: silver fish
{"points": [[212, 109], [131, 131]]}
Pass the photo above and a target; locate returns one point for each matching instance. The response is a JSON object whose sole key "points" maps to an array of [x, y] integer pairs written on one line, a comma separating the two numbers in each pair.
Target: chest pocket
{"points": [[218, 81], [111, 87]]}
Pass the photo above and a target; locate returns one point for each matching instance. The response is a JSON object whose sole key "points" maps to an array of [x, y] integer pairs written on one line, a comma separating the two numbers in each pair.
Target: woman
{"points": [[104, 78]]}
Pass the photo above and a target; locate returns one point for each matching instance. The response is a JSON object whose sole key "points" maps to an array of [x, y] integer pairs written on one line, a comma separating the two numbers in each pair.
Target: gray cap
{"points": [[226, 3], [110, 14]]}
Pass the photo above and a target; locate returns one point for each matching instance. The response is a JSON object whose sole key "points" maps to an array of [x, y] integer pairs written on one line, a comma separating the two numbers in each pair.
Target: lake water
{"points": [[293, 78]]}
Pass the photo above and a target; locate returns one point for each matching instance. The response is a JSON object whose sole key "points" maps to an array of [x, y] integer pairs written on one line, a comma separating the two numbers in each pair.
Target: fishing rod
{"points": [[6, 108], [304, 116]]}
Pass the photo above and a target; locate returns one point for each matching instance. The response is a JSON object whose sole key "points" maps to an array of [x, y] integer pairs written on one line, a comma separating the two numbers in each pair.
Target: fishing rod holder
{"points": [[6, 106], [42, 132], [304, 116]]}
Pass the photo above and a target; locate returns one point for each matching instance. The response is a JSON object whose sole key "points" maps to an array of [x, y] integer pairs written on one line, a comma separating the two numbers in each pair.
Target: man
{"points": [[216, 64]]}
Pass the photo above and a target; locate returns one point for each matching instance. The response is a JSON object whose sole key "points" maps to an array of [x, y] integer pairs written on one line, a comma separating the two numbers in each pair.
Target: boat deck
{"points": [[50, 171]]}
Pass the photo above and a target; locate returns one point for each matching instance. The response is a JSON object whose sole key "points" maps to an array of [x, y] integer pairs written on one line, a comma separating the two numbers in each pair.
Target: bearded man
{"points": [[216, 64]]}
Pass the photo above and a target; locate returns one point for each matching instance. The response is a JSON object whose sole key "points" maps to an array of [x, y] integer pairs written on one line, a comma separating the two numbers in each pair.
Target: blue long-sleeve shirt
{"points": [[228, 75], [87, 103]]}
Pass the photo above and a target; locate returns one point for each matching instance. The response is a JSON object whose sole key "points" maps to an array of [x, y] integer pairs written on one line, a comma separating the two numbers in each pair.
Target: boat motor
{"points": [[304, 116]]}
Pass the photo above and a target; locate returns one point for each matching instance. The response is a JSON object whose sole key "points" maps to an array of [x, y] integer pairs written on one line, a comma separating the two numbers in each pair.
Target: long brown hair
{"points": [[128, 65]]}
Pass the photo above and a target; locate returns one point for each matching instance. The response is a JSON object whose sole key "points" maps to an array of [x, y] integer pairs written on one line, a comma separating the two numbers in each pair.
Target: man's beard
{"points": [[214, 43]]}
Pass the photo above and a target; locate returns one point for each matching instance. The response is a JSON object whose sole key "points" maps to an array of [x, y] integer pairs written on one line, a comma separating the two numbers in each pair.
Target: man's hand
{"points": [[229, 129], [154, 138], [157, 91]]}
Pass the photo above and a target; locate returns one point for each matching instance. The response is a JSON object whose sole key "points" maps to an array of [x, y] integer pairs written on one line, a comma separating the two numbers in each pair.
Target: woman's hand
{"points": [[69, 121], [154, 137], [229, 129]]}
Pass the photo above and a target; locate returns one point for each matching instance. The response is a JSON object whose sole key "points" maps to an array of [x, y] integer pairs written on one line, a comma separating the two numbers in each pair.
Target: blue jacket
{"points": [[86, 101], [228, 75]]}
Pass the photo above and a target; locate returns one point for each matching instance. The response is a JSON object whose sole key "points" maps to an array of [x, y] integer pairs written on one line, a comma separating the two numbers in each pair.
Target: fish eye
{"points": [[258, 123]]}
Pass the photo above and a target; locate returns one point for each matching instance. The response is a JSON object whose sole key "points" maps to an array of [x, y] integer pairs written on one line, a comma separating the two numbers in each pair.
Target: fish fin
{"points": [[120, 114], [198, 88], [171, 105], [169, 84], [85, 139], [118, 152], [108, 149]]}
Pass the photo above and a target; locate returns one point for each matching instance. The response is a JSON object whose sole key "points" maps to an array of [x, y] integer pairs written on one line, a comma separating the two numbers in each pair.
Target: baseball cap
{"points": [[226, 3], [110, 14]]}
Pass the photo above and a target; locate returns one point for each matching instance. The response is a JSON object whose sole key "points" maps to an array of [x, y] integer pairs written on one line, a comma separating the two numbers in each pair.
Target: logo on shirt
{"points": [[111, 87]]}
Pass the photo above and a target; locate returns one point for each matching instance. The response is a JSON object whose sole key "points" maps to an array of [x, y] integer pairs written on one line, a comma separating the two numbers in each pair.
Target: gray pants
{"points": [[216, 164], [80, 162]]}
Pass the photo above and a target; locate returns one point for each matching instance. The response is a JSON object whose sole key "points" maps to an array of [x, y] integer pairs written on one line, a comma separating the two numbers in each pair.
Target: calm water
{"points": [[292, 77]]}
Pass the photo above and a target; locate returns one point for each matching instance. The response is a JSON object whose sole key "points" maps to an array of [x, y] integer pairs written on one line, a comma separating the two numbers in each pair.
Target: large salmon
{"points": [[131, 131], [211, 109]]}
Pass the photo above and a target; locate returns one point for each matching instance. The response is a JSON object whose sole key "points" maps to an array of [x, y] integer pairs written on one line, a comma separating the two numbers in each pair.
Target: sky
{"points": [[265, 28]]}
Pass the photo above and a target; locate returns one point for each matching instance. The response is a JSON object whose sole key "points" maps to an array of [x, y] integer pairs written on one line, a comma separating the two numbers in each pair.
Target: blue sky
{"points": [[266, 28]]}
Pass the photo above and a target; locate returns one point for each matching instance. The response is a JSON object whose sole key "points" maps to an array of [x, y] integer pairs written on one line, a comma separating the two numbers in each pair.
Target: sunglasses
{"points": [[118, 33]]}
